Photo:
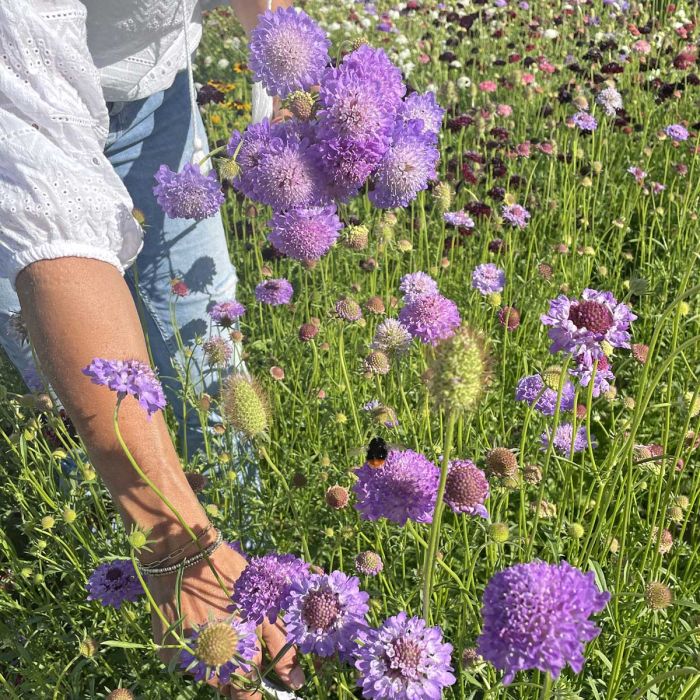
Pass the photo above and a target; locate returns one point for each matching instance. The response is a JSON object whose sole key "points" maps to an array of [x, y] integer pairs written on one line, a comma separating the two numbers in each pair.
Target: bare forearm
{"points": [[247, 11]]}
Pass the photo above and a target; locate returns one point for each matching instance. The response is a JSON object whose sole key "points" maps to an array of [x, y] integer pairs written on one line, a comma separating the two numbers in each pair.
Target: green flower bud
{"points": [[245, 405]]}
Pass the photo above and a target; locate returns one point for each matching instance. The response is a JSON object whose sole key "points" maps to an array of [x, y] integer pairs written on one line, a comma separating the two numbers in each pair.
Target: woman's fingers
{"points": [[287, 668]]}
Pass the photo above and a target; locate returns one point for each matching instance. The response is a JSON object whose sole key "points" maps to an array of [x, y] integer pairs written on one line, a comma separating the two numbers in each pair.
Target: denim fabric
{"points": [[143, 135]]}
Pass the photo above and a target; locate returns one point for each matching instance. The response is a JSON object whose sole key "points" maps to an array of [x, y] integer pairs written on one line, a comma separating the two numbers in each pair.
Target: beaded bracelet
{"points": [[185, 563], [179, 551]]}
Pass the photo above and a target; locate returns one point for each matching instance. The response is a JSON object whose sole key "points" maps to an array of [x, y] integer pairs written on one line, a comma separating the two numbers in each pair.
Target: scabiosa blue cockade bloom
{"points": [[516, 215], [406, 167], [458, 218], [488, 279], [536, 616], [189, 194], [325, 614], [305, 234], [264, 585], [391, 337], [430, 318], [579, 326], [565, 439], [226, 313], [248, 152], [369, 563], [275, 292], [534, 391], [677, 132], [404, 488], [404, 660], [610, 100], [220, 649], [417, 284], [423, 106], [585, 122], [113, 583], [602, 377], [373, 64], [466, 488], [288, 51], [128, 378]]}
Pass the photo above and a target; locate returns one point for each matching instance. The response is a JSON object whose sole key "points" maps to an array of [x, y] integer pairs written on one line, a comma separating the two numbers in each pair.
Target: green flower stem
{"points": [[437, 517]]}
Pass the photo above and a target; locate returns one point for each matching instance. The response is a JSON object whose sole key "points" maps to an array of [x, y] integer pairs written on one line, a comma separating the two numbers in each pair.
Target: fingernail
{"points": [[297, 678]]}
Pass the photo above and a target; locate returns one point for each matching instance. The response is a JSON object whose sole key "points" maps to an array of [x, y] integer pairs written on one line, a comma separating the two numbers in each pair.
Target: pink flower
{"points": [[546, 67], [423, 58], [528, 78], [488, 86], [523, 149], [546, 148], [504, 110], [641, 46]]}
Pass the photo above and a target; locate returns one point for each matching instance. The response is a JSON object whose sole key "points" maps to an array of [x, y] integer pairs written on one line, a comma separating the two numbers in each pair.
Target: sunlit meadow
{"points": [[568, 162]]}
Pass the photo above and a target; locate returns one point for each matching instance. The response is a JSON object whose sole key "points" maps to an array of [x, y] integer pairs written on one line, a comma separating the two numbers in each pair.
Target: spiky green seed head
{"points": [[138, 539], [216, 644], [88, 647], [377, 362], [39, 579], [576, 531], [682, 502], [675, 514], [229, 169], [47, 522], [658, 596], [300, 104], [499, 532], [356, 237], [551, 376], [512, 482], [460, 372], [245, 405], [532, 474], [69, 515], [494, 299], [442, 194]]}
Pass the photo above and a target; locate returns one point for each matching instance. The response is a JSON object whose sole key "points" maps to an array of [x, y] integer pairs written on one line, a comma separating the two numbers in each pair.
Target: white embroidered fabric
{"points": [[60, 60]]}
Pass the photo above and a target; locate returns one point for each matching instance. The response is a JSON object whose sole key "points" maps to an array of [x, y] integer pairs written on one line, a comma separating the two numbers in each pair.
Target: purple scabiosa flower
{"points": [[391, 337], [264, 584], [488, 279], [579, 326], [584, 121], [404, 660], [288, 51], [275, 292], [564, 439], [217, 351], [637, 173], [188, 194], [374, 65], [610, 100], [369, 563], [430, 318], [424, 107], [287, 173], [220, 648], [348, 310], [458, 218], [536, 616], [516, 215], [466, 488], [305, 234], [417, 284], [404, 488], [113, 583], [248, 150], [603, 374], [677, 132], [543, 398], [326, 614], [128, 378], [226, 313], [405, 168]]}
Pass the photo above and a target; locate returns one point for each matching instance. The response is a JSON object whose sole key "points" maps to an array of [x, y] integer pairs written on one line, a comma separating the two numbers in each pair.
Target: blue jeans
{"points": [[143, 135]]}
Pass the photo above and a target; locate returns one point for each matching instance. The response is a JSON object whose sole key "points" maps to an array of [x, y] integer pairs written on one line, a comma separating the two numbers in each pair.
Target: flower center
{"points": [[463, 488], [591, 315], [406, 658], [320, 610], [114, 574]]}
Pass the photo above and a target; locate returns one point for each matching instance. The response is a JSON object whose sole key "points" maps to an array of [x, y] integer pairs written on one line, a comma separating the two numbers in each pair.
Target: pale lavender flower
{"points": [[543, 398], [458, 218], [305, 234], [417, 284], [188, 194], [226, 313], [603, 374], [564, 439], [488, 279], [677, 132], [610, 100], [275, 292], [516, 215], [430, 318], [585, 121]]}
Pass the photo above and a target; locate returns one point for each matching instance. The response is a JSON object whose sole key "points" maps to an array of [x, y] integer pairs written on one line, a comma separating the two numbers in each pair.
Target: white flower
{"points": [[551, 34], [463, 82], [222, 63]]}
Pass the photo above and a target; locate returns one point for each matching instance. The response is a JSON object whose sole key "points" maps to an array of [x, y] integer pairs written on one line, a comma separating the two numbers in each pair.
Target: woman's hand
{"points": [[201, 598]]}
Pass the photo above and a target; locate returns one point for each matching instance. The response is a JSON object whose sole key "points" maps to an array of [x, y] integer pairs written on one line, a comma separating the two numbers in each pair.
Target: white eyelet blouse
{"points": [[60, 60]]}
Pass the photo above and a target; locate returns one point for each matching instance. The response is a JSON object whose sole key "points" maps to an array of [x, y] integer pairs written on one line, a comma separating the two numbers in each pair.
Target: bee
{"points": [[377, 452]]}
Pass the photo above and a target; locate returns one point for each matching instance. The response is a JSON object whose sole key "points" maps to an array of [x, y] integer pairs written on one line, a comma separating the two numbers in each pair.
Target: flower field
{"points": [[463, 459]]}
